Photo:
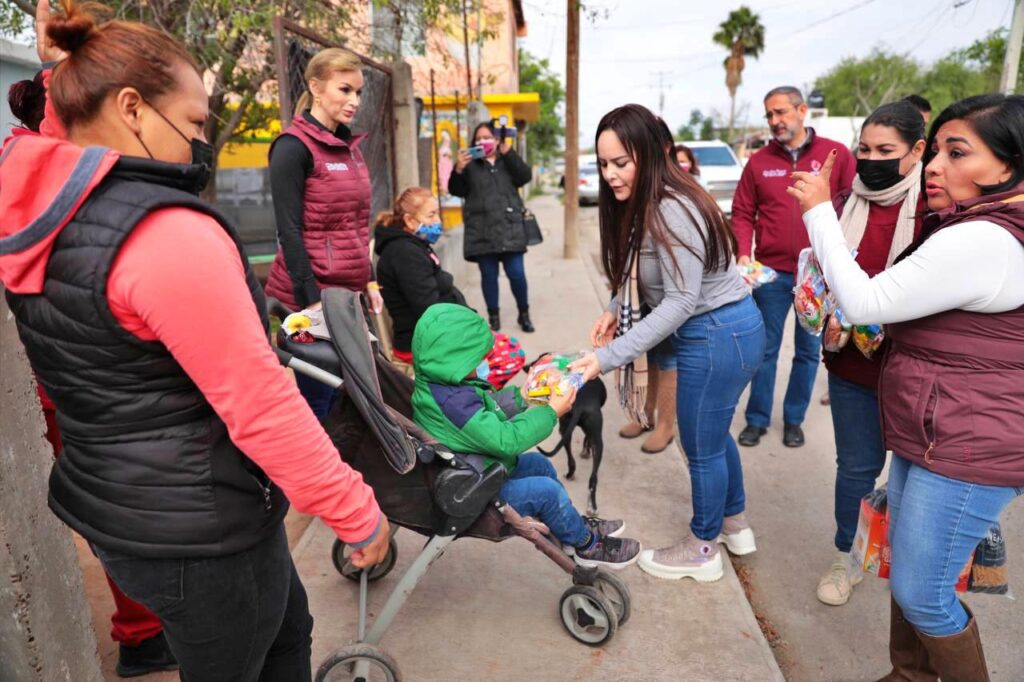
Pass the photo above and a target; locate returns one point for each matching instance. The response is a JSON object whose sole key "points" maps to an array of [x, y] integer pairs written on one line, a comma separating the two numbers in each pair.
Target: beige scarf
{"points": [[855, 213], [631, 380]]}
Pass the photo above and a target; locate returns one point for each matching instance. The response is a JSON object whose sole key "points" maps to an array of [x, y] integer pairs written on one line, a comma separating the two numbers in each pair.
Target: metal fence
{"points": [[294, 46]]}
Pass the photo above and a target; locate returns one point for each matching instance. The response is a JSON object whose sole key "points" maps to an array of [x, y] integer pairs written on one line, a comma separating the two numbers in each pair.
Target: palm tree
{"points": [[743, 35]]}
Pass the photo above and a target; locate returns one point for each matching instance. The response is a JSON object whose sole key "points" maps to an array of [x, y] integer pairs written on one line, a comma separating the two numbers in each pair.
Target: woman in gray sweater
{"points": [[665, 244]]}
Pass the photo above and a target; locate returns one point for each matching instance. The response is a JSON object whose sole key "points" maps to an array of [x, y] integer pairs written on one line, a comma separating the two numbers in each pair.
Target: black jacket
{"points": [[493, 211], [148, 468], [411, 280]]}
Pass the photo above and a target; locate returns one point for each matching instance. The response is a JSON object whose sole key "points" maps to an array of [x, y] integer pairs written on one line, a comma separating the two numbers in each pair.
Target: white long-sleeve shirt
{"points": [[976, 266]]}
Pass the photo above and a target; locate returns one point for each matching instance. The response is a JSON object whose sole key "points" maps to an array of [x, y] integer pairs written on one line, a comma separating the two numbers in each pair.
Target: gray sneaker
{"points": [[691, 558], [609, 553], [737, 535]]}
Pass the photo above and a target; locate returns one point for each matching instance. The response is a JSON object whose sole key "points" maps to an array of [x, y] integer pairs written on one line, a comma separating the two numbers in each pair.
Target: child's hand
{"points": [[561, 404]]}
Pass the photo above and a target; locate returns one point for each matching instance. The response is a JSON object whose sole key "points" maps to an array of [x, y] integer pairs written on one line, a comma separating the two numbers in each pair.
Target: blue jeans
{"points": [[717, 353], [515, 272], [860, 454], [318, 395], [775, 300], [239, 617], [533, 489], [935, 525]]}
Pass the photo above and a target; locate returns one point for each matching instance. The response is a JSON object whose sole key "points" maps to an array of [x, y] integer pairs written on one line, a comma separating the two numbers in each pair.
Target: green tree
{"points": [[699, 127], [856, 87], [743, 35], [535, 75]]}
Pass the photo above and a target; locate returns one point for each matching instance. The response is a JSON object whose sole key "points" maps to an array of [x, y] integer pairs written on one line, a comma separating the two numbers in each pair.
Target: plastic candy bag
{"points": [[989, 573], [837, 332], [810, 296], [550, 376], [868, 338], [756, 273]]}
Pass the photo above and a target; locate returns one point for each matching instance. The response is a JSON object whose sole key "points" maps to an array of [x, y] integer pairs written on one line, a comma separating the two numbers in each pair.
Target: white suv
{"points": [[720, 170]]}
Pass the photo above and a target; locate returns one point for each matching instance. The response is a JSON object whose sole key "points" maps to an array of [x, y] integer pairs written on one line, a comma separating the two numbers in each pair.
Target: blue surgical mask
{"points": [[483, 370], [430, 233]]}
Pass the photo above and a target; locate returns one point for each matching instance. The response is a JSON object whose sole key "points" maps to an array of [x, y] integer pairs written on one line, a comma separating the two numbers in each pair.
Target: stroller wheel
{"points": [[358, 663], [615, 590], [341, 552], [588, 615]]}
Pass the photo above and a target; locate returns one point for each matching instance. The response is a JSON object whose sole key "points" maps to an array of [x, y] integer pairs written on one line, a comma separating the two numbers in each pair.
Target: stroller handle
{"points": [[309, 369]]}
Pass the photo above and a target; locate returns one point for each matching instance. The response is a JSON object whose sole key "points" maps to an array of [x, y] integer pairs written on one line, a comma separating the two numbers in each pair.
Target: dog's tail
{"points": [[574, 419]]}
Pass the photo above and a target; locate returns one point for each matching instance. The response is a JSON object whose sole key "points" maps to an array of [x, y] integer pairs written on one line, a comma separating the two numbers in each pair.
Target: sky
{"points": [[643, 48]]}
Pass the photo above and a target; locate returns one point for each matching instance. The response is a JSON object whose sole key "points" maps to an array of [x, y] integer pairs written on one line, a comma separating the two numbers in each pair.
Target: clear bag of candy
{"points": [[756, 274], [868, 338], [550, 376], [810, 295], [837, 332]]}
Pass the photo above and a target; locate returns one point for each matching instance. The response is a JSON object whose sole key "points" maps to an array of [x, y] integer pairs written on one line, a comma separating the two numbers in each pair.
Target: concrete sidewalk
{"points": [[488, 611]]}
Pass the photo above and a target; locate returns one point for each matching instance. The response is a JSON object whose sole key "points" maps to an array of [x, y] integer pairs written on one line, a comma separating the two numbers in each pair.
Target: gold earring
{"points": [[316, 100]]}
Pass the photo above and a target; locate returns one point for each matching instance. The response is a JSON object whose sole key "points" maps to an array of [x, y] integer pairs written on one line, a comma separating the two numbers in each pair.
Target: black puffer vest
{"points": [[148, 467]]}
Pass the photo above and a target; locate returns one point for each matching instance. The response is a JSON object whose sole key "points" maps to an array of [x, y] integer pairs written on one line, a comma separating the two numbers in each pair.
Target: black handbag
{"points": [[532, 227]]}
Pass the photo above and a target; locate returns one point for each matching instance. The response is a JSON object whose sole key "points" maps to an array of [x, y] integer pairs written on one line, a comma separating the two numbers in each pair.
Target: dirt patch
{"points": [[780, 648]]}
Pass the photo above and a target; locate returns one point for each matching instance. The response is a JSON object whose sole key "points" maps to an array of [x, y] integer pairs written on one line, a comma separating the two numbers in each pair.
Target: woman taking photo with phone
{"points": [[952, 386], [321, 190], [665, 243], [493, 215]]}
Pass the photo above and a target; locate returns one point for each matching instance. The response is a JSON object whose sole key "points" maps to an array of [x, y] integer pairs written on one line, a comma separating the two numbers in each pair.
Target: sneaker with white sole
{"points": [[606, 528], [691, 558], [613, 553], [836, 586], [737, 535]]}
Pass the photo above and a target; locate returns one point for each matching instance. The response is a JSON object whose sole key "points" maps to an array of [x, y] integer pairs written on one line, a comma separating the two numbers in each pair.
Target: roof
{"points": [[525, 104], [23, 55]]}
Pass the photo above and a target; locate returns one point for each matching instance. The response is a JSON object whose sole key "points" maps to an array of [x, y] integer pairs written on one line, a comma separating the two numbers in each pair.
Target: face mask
{"points": [[489, 146], [879, 174], [202, 154], [430, 233], [685, 166], [483, 370]]}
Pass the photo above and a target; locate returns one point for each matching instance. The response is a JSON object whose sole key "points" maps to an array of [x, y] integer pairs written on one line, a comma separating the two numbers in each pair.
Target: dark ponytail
{"points": [[27, 100]]}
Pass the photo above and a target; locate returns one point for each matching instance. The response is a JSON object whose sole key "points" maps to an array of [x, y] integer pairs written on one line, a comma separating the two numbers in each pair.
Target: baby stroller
{"points": [[423, 488]]}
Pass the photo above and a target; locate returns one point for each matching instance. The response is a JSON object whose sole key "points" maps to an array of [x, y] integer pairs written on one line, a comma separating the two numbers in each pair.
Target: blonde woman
{"points": [[321, 190]]}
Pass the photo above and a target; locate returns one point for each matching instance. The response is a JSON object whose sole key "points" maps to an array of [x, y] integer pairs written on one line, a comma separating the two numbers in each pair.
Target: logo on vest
{"points": [[815, 167], [333, 167], [775, 173]]}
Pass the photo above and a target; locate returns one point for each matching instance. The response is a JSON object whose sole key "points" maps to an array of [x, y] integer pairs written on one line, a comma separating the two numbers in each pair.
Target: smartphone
{"points": [[476, 152]]}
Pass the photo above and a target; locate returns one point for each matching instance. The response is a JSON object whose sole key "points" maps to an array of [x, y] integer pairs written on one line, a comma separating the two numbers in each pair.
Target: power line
{"points": [[830, 17]]}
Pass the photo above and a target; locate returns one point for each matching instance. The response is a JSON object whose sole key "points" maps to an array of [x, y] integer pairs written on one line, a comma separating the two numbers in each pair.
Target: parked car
{"points": [[589, 179], [719, 169]]}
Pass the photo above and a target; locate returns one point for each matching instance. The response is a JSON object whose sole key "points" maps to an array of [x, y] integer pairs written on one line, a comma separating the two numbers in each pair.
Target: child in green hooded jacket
{"points": [[454, 403]]}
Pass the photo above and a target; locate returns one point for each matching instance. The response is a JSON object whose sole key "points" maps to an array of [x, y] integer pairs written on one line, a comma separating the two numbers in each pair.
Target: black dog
{"points": [[586, 414]]}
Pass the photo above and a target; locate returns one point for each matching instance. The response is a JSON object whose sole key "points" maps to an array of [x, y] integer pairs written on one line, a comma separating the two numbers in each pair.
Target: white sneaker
{"points": [[836, 586], [691, 558], [737, 535]]}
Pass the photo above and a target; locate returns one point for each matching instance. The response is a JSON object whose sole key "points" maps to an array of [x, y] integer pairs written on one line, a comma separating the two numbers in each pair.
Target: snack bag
{"points": [[550, 376], [756, 273], [306, 326], [505, 360], [870, 549], [837, 332], [989, 573], [811, 299], [868, 338]]}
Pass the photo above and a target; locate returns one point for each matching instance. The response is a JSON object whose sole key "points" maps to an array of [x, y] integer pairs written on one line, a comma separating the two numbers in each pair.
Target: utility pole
{"points": [[572, 132], [1008, 83], [661, 91], [465, 43]]}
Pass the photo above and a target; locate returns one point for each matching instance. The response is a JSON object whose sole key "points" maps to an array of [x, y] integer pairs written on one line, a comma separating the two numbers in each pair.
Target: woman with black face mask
{"points": [[880, 217]]}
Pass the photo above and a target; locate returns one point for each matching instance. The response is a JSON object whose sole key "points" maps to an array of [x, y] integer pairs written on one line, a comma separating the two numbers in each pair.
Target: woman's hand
{"points": [[604, 330], [561, 404], [462, 160], [587, 365], [375, 299], [374, 553], [811, 190], [44, 46], [505, 147]]}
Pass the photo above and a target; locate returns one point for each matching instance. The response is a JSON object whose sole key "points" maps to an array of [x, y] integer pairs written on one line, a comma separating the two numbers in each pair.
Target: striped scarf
{"points": [[631, 379]]}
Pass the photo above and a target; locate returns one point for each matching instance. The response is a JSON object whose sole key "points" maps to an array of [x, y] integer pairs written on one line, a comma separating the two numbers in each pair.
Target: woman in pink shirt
{"points": [[183, 437]]}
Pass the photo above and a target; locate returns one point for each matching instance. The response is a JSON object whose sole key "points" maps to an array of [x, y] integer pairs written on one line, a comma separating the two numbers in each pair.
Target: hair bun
{"points": [[71, 31]]}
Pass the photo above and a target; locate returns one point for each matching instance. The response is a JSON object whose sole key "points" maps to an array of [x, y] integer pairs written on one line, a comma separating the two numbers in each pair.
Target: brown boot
{"points": [[906, 652], [635, 429], [665, 419], [959, 657]]}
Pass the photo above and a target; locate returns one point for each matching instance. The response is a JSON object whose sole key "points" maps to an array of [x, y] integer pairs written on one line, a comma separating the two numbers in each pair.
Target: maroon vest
{"points": [[952, 387], [336, 215]]}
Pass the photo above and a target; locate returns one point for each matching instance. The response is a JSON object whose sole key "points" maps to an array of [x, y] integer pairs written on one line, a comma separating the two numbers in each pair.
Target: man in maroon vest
{"points": [[767, 223]]}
